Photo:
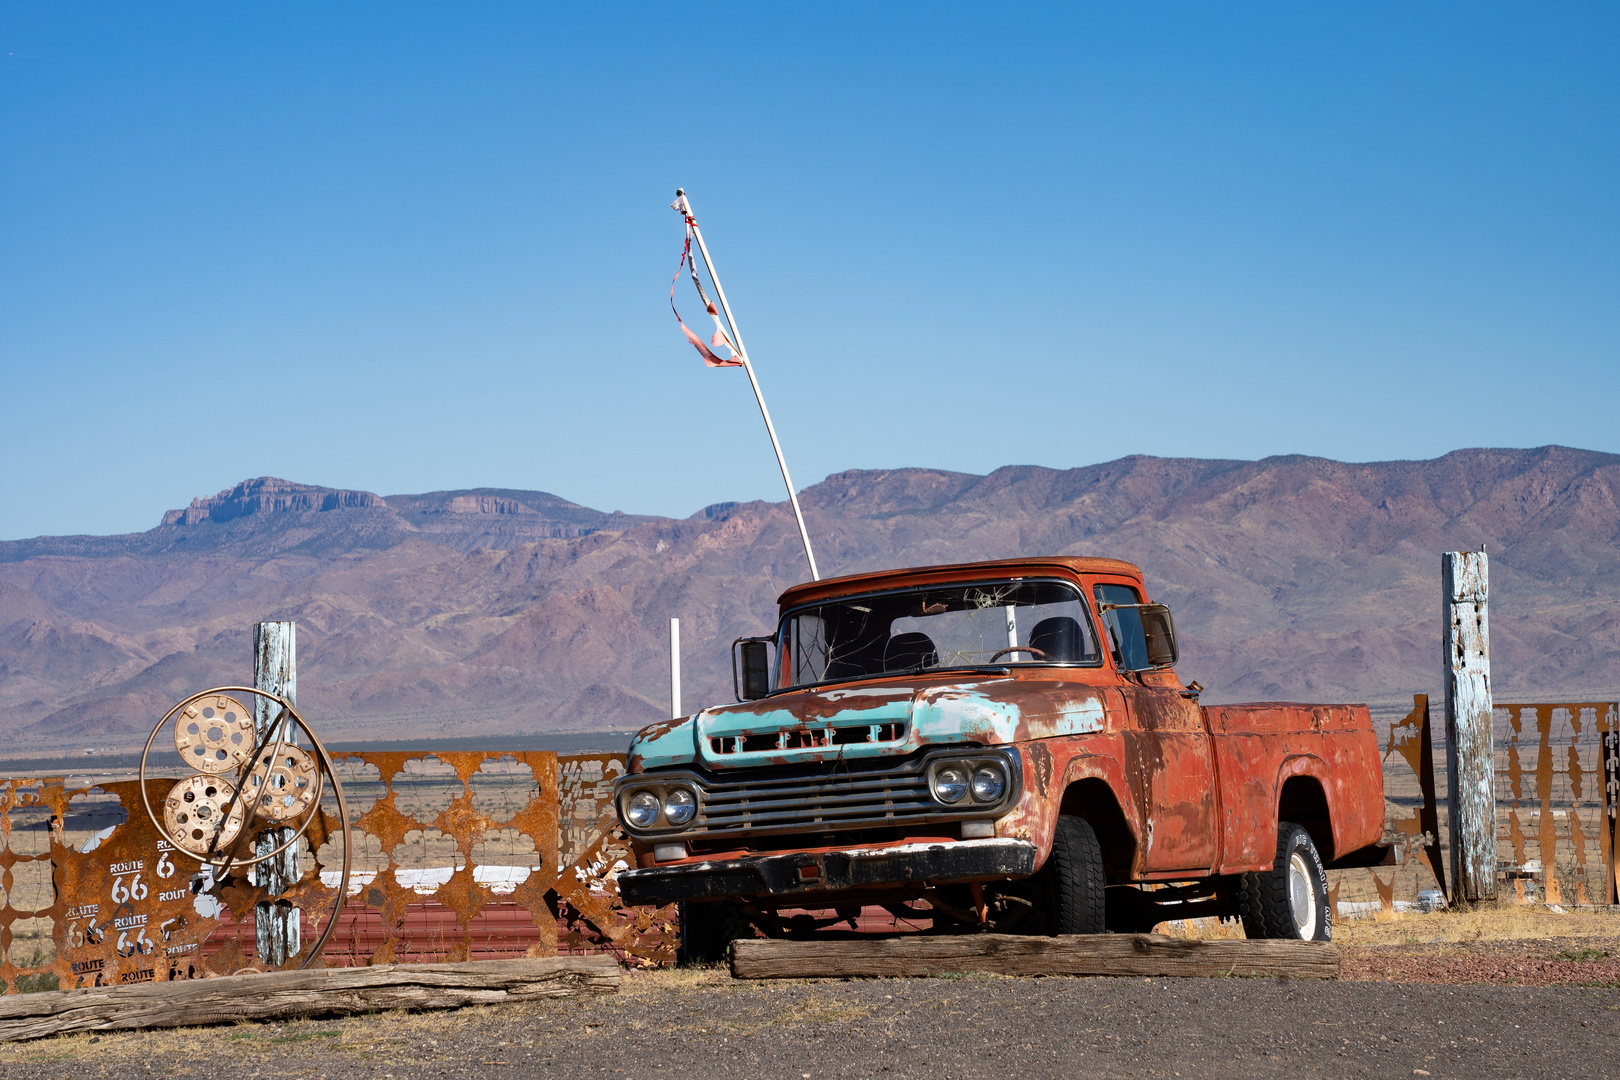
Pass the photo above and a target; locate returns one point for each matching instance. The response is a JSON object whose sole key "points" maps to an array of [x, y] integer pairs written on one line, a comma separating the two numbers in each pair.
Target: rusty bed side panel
{"points": [[1249, 760], [1260, 746], [1355, 794]]}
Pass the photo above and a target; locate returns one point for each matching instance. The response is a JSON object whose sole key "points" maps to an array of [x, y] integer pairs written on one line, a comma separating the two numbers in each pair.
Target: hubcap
{"points": [[1302, 895]]}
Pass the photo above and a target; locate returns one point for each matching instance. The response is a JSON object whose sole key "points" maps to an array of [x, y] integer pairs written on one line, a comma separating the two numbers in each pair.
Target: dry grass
{"points": [[818, 1011], [1202, 929], [674, 979], [1504, 922], [388, 1033]]}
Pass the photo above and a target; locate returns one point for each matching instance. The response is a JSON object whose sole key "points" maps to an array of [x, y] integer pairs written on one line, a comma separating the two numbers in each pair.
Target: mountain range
{"points": [[492, 611]]}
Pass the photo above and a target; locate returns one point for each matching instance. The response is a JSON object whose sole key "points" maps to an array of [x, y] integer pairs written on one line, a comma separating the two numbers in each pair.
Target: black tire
{"points": [[707, 931], [1291, 899], [1076, 886]]}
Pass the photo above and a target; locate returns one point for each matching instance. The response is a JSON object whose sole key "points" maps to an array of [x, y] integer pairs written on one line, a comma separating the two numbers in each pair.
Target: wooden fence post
{"points": [[276, 922], [1470, 759]]}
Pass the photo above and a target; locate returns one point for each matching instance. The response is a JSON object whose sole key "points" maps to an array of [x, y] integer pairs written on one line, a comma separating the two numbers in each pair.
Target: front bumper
{"points": [[804, 874]]}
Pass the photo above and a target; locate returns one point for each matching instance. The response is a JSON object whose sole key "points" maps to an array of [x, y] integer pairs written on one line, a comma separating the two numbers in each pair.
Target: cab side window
{"points": [[1126, 638]]}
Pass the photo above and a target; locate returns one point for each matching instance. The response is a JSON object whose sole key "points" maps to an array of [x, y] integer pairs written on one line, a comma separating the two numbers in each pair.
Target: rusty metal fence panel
{"points": [[1557, 787], [456, 856], [1557, 797]]}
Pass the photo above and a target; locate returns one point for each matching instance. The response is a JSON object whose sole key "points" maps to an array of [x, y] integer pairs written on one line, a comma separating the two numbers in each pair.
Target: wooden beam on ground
{"points": [[284, 994], [1008, 954]]}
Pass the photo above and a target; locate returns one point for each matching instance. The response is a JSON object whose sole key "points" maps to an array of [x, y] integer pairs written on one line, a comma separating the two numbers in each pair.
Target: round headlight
{"points": [[679, 806], [642, 809], [989, 783], [950, 784]]}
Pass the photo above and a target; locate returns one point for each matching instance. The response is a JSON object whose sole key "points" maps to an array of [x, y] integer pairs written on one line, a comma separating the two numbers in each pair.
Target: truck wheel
{"points": [[1290, 900], [707, 931], [1076, 891]]}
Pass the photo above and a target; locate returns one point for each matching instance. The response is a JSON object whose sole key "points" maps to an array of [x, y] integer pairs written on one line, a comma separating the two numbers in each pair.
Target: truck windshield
{"points": [[954, 626]]}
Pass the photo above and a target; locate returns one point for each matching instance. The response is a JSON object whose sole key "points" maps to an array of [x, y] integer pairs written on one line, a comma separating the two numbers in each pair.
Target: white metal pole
{"points": [[742, 354], [675, 668]]}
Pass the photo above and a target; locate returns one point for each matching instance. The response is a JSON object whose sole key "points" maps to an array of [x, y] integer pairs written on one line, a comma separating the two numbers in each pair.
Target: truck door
{"points": [[1168, 749]]}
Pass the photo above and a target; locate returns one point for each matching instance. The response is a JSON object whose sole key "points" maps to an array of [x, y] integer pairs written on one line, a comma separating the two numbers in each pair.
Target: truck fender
{"points": [[1083, 767], [1309, 801]]}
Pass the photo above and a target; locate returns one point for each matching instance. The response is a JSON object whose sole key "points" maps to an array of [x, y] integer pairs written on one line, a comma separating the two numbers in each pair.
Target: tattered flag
{"points": [[720, 340]]}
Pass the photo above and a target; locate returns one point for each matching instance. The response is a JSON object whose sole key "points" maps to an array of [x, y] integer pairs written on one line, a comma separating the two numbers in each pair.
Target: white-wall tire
{"points": [[1290, 900]]}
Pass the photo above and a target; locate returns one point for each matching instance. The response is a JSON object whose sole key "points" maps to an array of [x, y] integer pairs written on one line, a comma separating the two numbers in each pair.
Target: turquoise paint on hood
{"points": [[939, 715]]}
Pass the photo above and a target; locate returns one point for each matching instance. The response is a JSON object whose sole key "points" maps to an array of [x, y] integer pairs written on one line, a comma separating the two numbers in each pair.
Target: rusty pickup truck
{"points": [[992, 746]]}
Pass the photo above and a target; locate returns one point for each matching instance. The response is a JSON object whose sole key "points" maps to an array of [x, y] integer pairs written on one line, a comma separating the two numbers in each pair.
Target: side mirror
{"points": [[756, 668], [1161, 635]]}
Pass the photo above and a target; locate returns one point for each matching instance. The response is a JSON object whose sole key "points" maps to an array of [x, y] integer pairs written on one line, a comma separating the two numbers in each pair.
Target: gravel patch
{"points": [[702, 1024], [1584, 961]]}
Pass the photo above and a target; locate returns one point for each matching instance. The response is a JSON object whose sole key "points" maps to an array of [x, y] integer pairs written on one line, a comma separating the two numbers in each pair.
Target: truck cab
{"points": [[995, 745]]}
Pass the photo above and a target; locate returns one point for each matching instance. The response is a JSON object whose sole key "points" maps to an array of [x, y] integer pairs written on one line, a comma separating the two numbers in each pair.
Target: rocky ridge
{"points": [[499, 611]]}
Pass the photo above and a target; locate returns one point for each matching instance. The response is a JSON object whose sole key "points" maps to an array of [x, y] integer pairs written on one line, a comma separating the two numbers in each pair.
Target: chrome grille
{"points": [[848, 796], [838, 802]]}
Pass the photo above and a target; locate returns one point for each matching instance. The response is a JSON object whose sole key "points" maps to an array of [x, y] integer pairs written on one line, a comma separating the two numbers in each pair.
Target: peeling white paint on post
{"points": [[1470, 759], [276, 929]]}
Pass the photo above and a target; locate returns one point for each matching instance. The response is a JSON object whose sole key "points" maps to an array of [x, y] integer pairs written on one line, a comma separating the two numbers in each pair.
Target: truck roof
{"points": [[916, 575]]}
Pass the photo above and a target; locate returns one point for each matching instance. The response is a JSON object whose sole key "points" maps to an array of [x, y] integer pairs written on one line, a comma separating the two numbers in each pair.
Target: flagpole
{"points": [[753, 380]]}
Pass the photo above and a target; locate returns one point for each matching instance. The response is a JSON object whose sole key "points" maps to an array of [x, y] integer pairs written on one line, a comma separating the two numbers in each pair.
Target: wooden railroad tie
{"points": [[1008, 954], [280, 995]]}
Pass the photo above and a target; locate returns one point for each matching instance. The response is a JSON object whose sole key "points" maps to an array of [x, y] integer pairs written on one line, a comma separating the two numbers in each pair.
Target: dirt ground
{"points": [[1510, 945], [1505, 994]]}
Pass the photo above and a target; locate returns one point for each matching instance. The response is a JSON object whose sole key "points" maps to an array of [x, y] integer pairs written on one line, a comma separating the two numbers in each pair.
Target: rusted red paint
{"points": [[1039, 757], [1199, 788], [1259, 747], [1169, 750]]}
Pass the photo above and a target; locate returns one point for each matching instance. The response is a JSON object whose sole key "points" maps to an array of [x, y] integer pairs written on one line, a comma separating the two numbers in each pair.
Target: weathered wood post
{"points": [[275, 649], [1471, 759]]}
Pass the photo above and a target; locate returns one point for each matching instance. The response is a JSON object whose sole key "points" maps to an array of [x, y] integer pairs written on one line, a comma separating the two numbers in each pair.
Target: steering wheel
{"points": [[1039, 654]]}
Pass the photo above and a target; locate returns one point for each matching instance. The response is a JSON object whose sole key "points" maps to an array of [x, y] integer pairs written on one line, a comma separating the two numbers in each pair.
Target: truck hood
{"points": [[857, 722]]}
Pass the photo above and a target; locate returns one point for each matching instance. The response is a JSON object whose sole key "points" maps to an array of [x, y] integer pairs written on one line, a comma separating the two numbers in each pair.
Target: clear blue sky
{"points": [[405, 248]]}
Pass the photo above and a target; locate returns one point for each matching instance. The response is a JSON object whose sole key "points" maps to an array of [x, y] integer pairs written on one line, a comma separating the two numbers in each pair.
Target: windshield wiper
{"points": [[989, 669], [924, 669]]}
